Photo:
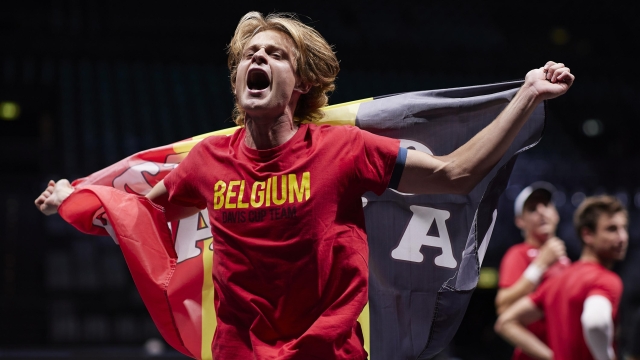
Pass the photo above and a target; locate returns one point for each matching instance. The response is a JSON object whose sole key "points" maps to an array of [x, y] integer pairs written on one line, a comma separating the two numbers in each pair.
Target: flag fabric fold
{"points": [[145, 241], [425, 250]]}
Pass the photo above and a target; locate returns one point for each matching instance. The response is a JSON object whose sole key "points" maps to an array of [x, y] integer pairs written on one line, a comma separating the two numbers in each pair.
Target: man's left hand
{"points": [[549, 81]]}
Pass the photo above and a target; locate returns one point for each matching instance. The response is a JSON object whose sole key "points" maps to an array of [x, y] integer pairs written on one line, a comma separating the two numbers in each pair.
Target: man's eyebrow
{"points": [[268, 47]]}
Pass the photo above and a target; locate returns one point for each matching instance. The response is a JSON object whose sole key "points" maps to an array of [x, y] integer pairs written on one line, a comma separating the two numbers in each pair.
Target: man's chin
{"points": [[263, 112], [543, 235], [252, 103], [256, 108], [545, 231], [262, 107]]}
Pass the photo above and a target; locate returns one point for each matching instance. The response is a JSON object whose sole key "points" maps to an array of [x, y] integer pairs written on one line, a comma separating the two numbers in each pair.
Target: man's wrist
{"points": [[533, 273], [530, 94], [64, 195]]}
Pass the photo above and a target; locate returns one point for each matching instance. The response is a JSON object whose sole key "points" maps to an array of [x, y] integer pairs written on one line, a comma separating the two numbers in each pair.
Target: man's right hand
{"points": [[51, 198], [552, 250]]}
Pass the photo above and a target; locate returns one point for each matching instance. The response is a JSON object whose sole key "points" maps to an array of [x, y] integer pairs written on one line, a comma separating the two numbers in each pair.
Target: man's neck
{"points": [[589, 256], [536, 242], [267, 133]]}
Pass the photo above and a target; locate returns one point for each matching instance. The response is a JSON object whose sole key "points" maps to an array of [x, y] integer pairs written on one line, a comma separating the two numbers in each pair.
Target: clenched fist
{"points": [[549, 81], [51, 198], [552, 251]]}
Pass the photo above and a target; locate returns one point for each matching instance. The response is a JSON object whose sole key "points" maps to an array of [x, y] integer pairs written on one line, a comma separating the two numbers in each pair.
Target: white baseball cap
{"points": [[541, 187]]}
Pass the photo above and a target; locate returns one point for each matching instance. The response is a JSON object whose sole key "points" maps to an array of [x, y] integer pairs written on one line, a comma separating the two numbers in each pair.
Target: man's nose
{"points": [[623, 234], [259, 56]]}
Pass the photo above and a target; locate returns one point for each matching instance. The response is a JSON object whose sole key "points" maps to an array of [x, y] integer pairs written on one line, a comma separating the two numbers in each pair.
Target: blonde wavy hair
{"points": [[314, 60]]}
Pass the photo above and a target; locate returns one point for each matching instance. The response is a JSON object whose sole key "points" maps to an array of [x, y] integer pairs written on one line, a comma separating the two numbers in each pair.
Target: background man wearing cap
{"points": [[581, 304], [540, 256]]}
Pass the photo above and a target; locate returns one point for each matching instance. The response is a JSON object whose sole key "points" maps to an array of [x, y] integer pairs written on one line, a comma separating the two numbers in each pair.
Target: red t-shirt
{"points": [[290, 270], [562, 299], [513, 264]]}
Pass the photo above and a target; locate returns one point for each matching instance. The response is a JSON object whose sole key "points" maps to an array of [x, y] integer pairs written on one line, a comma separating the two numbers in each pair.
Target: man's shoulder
{"points": [[587, 275], [217, 140], [521, 249], [513, 264], [608, 277], [598, 280], [588, 267], [327, 128]]}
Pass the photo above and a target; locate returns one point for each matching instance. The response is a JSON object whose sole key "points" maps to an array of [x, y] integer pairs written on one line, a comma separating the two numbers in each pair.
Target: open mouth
{"points": [[257, 80]]}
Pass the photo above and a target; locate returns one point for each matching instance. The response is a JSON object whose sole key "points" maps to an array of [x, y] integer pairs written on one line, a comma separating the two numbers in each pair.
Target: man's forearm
{"points": [[519, 336], [507, 296], [511, 326], [525, 285], [460, 171], [160, 196], [473, 160]]}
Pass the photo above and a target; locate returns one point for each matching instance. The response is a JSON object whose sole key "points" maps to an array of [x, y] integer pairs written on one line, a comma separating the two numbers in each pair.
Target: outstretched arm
{"points": [[56, 192], [460, 171], [511, 326]]}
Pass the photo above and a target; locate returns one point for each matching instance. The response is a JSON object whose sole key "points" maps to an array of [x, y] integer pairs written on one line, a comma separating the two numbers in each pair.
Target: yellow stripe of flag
{"points": [[209, 321], [363, 319]]}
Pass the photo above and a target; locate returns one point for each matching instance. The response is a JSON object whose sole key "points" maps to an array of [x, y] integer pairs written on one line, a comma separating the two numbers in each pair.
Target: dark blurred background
{"points": [[85, 83]]}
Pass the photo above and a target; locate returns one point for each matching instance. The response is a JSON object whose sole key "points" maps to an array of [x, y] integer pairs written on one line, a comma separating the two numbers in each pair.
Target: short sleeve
{"points": [[512, 266], [181, 181], [609, 286], [537, 297], [375, 160]]}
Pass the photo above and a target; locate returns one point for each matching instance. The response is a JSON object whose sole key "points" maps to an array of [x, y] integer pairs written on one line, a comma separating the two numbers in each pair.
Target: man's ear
{"points": [[587, 235], [302, 87], [519, 222]]}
